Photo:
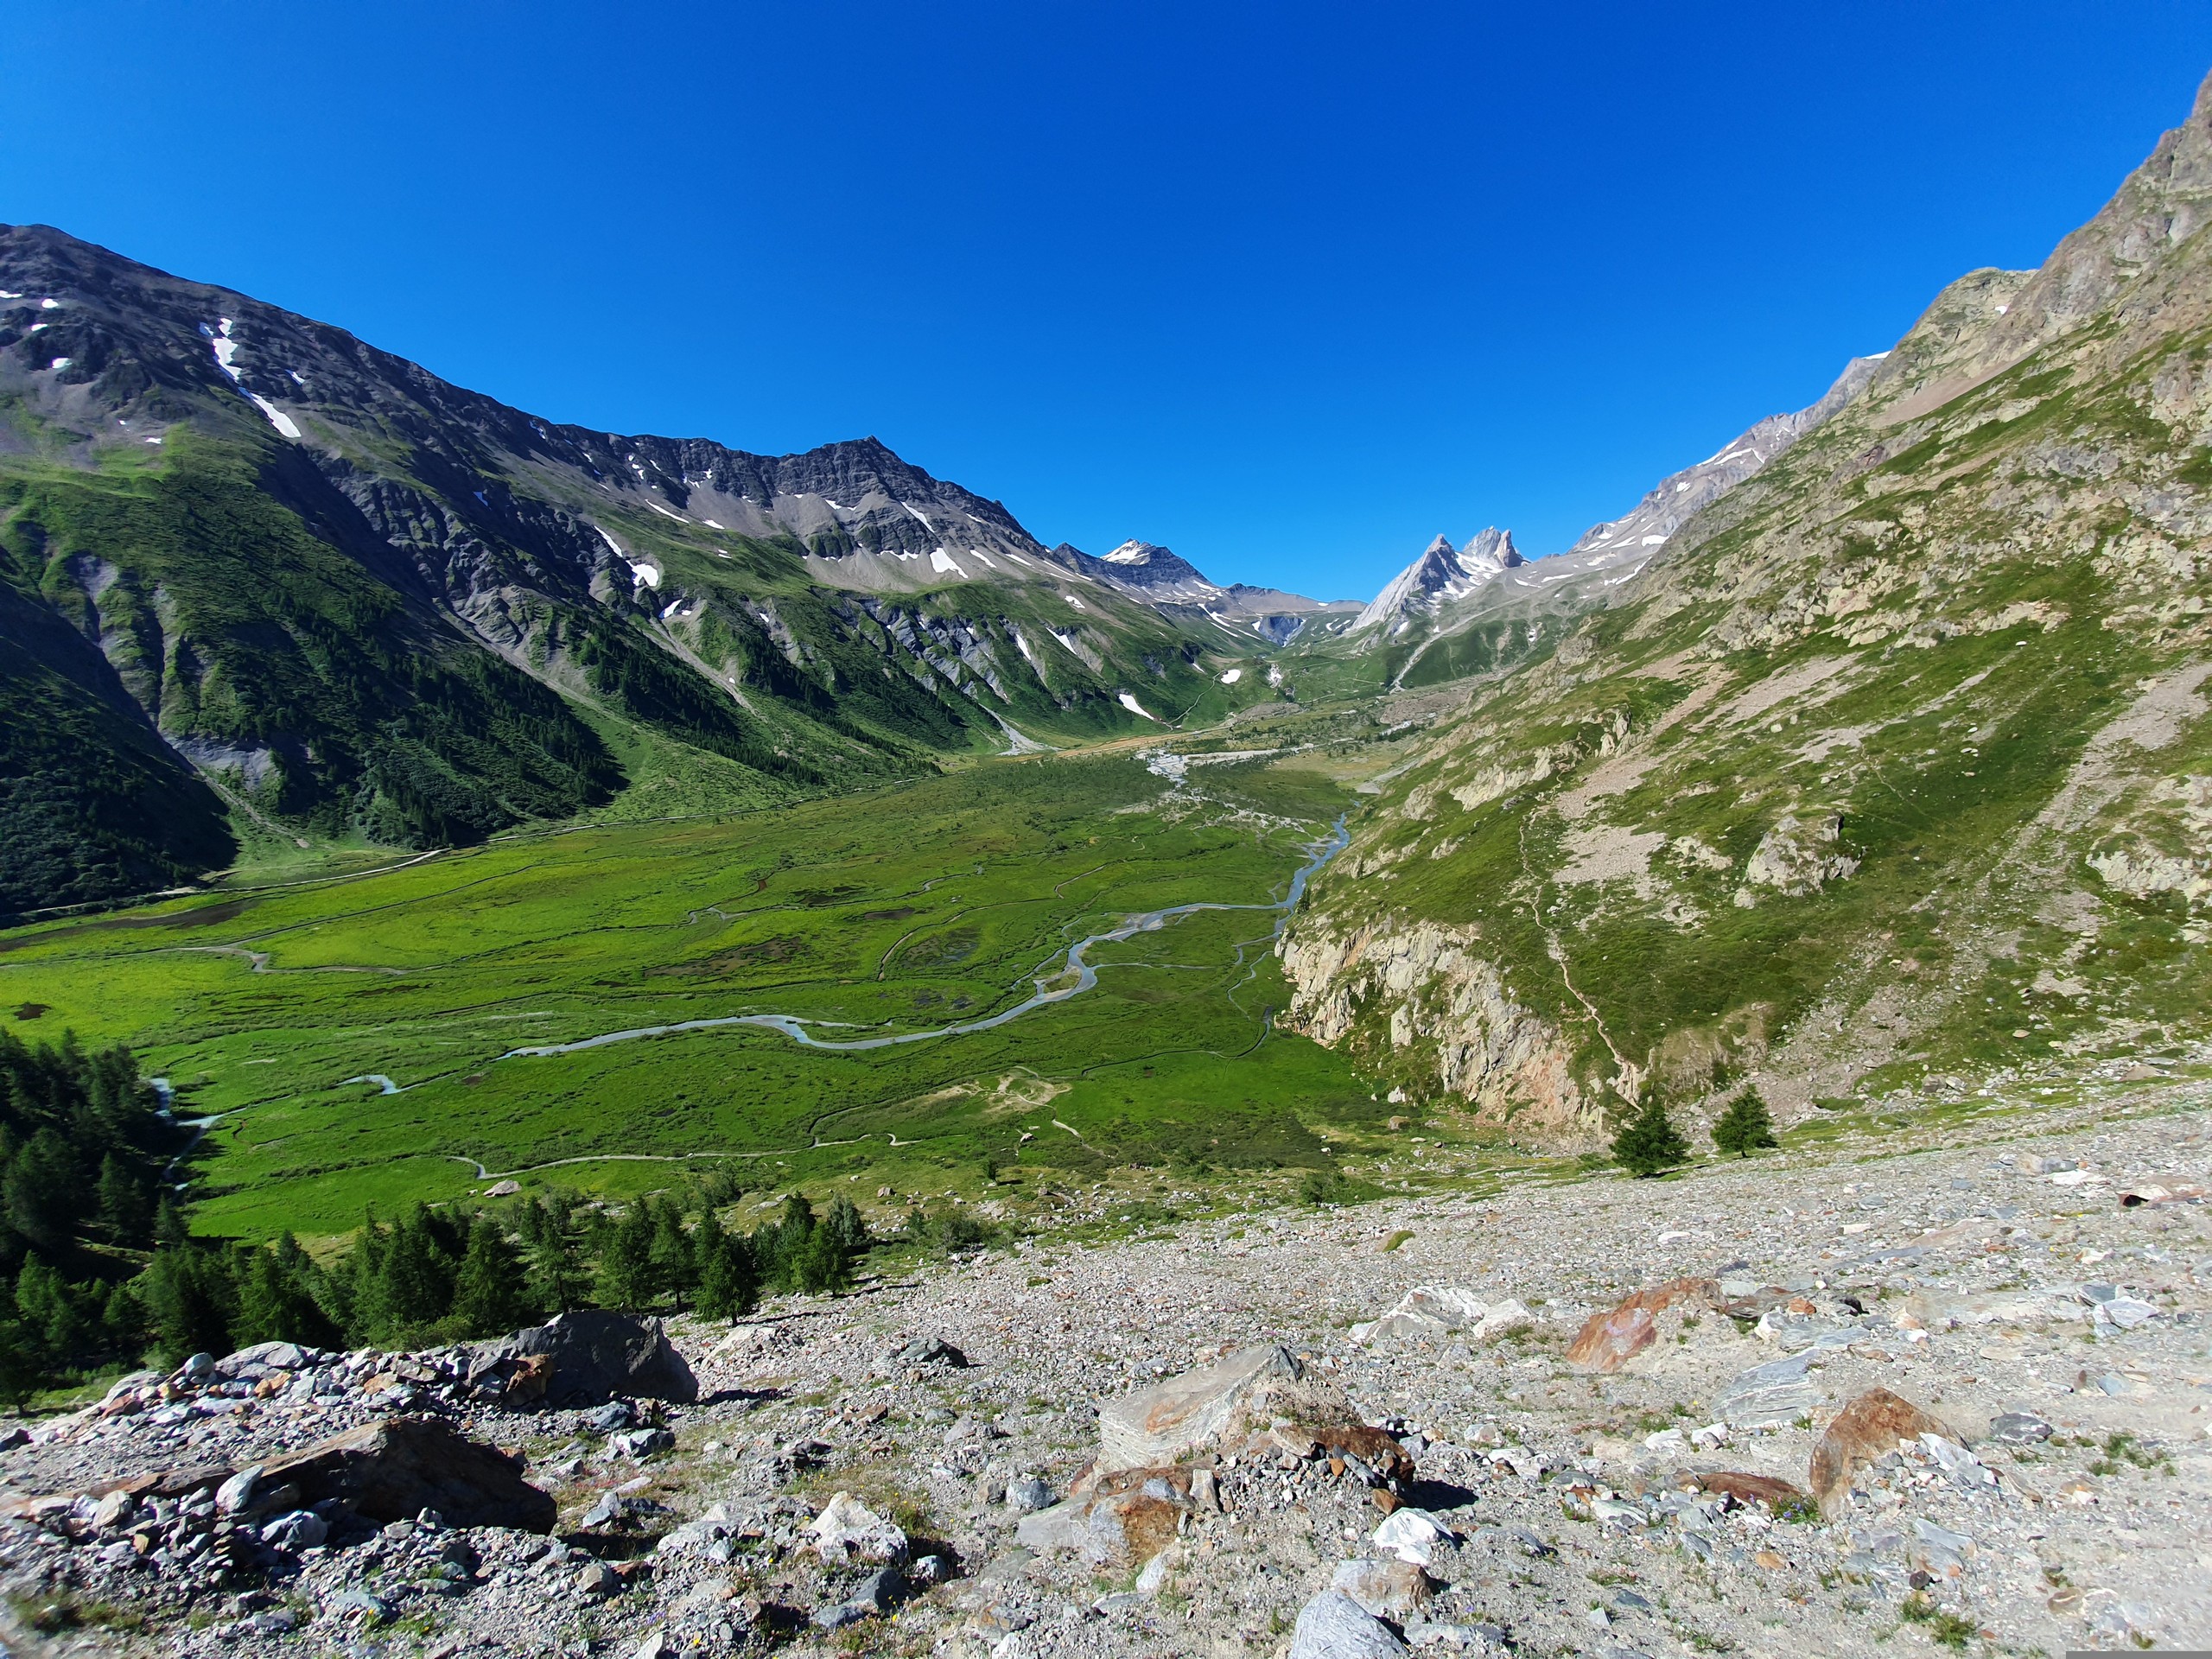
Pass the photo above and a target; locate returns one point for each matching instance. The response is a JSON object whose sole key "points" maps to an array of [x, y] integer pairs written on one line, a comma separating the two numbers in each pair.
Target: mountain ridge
{"points": [[346, 599]]}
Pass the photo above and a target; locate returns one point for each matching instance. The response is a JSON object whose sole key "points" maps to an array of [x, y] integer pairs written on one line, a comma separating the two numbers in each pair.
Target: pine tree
{"points": [[171, 1231], [845, 1221], [626, 1261], [418, 1272], [491, 1294], [41, 1192], [822, 1262], [674, 1272], [49, 1312], [1745, 1127], [22, 1366], [277, 1299], [557, 1281], [189, 1299], [729, 1279], [124, 1210], [779, 1246], [1649, 1143]]}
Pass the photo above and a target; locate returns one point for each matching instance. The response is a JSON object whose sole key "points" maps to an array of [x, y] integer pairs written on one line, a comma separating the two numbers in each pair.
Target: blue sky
{"points": [[1288, 287]]}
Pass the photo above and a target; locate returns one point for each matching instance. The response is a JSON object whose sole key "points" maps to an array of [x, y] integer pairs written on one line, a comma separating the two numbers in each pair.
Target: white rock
{"points": [[1410, 1535], [237, 1492], [846, 1530]]}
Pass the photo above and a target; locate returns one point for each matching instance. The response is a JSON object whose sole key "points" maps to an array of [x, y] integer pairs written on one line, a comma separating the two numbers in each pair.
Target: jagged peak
{"points": [[1442, 572]]}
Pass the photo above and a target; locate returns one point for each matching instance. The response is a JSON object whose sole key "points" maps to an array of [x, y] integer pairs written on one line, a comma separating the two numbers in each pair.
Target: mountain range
{"points": [[261, 580]]}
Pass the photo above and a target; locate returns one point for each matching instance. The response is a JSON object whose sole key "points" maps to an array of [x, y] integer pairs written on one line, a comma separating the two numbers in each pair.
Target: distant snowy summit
{"points": [[1442, 575], [1166, 580], [1144, 570]]}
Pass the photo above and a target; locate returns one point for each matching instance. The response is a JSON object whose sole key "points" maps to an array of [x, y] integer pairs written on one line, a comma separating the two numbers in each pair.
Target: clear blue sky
{"points": [[1288, 287]]}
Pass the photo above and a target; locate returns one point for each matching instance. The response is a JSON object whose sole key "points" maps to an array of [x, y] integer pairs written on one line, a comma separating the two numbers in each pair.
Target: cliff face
{"points": [[1430, 993], [1888, 773]]}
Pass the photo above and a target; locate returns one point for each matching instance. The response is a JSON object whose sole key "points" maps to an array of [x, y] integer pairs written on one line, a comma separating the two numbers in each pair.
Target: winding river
{"points": [[1086, 976]]}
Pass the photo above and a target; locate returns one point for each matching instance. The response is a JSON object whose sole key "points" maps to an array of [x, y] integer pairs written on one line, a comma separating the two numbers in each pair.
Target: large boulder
{"points": [[1334, 1626], [391, 1470], [1261, 1390], [1867, 1429], [1159, 1424], [1608, 1341], [586, 1358]]}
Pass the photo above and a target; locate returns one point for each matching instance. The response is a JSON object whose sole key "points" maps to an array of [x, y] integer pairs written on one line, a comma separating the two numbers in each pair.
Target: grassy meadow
{"points": [[923, 905]]}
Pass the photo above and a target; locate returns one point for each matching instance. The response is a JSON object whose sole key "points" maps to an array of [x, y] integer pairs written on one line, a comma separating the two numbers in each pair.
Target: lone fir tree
{"points": [[1649, 1143], [1745, 1127]]}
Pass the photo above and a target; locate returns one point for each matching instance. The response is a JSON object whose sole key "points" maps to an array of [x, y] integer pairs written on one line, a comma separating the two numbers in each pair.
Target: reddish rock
{"points": [[1750, 1489], [1608, 1341], [1867, 1429]]}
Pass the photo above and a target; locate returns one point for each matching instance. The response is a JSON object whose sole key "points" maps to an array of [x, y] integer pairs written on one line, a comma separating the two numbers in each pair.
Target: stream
{"points": [[1086, 976]]}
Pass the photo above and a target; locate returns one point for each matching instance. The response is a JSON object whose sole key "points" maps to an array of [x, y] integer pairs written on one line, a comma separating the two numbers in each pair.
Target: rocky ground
{"points": [[1457, 1411]]}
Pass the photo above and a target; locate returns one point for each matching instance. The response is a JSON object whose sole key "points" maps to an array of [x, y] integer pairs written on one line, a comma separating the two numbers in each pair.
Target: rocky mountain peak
{"points": [[1142, 570], [1490, 548], [1441, 574]]}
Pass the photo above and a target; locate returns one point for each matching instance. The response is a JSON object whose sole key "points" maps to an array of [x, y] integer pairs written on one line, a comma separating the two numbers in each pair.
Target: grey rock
{"points": [[235, 1495], [2018, 1428], [614, 1415], [297, 1530], [1064, 1526], [372, 1607], [1027, 1495], [927, 1352], [880, 1590], [596, 1354], [1334, 1627], [1769, 1395]]}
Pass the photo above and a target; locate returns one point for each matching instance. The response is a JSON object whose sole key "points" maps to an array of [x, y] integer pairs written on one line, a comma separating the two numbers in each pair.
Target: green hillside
{"points": [[1890, 776]]}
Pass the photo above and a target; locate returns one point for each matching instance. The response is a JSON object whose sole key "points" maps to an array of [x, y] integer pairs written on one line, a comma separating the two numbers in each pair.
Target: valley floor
{"points": [[1977, 1250]]}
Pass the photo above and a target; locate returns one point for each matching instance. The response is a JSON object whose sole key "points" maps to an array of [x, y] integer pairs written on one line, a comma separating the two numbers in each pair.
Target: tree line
{"points": [[99, 1265], [433, 1276]]}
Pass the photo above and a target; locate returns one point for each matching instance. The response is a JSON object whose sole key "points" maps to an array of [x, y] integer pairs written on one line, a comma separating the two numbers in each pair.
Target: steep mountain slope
{"points": [[1891, 774], [272, 580], [1628, 544]]}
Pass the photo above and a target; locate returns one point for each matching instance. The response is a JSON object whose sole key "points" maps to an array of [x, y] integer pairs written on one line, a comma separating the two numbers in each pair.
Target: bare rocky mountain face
{"points": [[1442, 575], [1943, 1382], [1627, 544], [1886, 778]]}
